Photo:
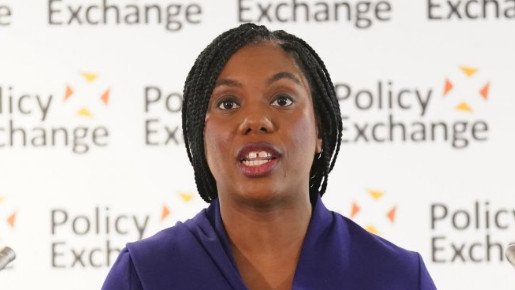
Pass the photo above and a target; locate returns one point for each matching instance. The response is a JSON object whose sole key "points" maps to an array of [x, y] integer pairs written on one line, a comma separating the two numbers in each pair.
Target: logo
{"points": [[474, 10], [466, 91], [43, 120], [470, 233], [173, 15], [5, 15], [8, 217], [374, 211], [360, 14], [182, 205], [386, 112], [163, 111], [87, 95]]}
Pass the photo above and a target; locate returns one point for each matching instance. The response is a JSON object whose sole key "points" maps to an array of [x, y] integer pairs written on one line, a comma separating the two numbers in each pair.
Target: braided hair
{"points": [[201, 81]]}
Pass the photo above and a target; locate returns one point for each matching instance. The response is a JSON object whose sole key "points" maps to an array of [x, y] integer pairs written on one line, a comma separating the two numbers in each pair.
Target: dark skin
{"points": [[262, 95]]}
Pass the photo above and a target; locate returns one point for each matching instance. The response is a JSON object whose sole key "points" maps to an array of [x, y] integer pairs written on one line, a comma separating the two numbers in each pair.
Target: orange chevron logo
{"points": [[8, 219], [391, 214], [165, 212], [87, 93], [464, 107], [11, 219], [467, 88], [89, 77], [375, 194], [447, 87], [468, 70], [484, 91], [373, 211], [185, 196], [68, 93], [355, 209], [181, 202]]}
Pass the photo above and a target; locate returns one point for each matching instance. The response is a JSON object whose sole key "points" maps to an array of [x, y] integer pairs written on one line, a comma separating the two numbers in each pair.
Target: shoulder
{"points": [[380, 260], [163, 261], [130, 269], [141, 262], [368, 244], [172, 243], [123, 275], [165, 240]]}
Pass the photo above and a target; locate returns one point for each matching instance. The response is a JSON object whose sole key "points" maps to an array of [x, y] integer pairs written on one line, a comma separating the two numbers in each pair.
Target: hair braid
{"points": [[332, 101], [324, 108]]}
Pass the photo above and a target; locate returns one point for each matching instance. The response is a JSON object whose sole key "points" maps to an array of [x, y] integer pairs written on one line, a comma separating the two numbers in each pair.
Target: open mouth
{"points": [[258, 159]]}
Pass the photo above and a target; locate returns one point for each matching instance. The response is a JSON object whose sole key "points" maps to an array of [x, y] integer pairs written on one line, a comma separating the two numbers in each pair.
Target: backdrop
{"points": [[91, 148]]}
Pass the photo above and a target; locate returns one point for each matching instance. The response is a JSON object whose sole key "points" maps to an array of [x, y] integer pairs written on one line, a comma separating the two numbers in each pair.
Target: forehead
{"points": [[260, 60]]}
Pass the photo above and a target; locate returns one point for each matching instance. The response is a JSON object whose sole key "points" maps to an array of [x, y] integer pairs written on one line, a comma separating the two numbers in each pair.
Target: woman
{"points": [[262, 129]]}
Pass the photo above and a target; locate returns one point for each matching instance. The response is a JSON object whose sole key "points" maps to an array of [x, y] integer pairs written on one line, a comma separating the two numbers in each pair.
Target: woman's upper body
{"points": [[262, 129], [336, 254]]}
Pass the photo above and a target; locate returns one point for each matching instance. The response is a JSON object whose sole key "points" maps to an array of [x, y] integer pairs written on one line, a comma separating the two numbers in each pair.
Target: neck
{"points": [[265, 226], [266, 239]]}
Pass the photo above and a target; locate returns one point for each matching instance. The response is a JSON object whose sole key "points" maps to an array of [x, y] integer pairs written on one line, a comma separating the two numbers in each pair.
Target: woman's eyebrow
{"points": [[274, 78], [228, 82], [283, 75]]}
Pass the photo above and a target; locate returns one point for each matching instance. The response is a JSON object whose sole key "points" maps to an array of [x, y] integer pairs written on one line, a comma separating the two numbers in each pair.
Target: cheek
{"points": [[216, 144], [304, 134], [210, 143]]}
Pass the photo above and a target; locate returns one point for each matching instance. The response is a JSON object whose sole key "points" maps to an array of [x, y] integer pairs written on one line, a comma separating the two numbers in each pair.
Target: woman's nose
{"points": [[256, 121]]}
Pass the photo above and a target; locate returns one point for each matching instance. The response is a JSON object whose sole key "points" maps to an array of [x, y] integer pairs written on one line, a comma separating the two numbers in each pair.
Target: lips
{"points": [[258, 159]]}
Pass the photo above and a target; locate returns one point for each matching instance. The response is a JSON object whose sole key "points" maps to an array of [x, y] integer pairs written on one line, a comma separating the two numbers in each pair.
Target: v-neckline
{"points": [[319, 225]]}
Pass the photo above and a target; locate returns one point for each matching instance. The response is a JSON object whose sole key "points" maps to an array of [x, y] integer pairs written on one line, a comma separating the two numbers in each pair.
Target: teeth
{"points": [[260, 154], [254, 162]]}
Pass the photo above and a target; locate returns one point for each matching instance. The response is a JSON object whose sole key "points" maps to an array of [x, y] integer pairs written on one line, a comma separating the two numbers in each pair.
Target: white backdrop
{"points": [[91, 152]]}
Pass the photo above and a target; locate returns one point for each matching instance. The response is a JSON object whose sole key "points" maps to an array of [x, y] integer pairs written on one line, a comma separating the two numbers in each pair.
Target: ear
{"points": [[318, 148]]}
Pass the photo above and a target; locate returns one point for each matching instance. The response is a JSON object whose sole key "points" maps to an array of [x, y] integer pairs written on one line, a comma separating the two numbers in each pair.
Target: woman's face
{"points": [[261, 134]]}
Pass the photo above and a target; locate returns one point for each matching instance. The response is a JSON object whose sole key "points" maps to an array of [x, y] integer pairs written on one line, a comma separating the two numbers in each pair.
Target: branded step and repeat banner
{"points": [[91, 147]]}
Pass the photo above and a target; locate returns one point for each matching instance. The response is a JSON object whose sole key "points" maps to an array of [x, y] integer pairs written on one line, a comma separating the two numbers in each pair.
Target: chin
{"points": [[262, 198]]}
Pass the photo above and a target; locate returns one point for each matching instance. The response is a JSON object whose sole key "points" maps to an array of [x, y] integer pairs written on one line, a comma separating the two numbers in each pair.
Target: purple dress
{"points": [[336, 254]]}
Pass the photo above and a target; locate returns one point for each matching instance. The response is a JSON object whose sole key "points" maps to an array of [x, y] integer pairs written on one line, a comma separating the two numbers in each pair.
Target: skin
{"points": [[262, 96]]}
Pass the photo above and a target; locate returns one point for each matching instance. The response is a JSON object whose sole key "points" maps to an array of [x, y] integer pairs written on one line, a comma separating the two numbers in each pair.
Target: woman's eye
{"points": [[283, 101], [228, 105]]}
